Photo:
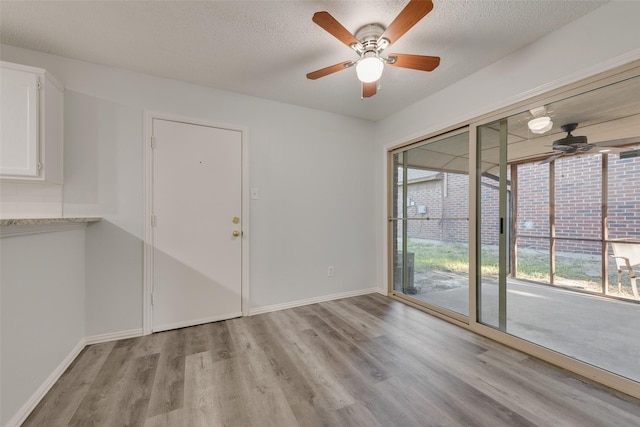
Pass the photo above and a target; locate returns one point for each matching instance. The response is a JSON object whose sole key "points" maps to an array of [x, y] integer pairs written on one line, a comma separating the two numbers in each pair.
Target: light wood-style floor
{"points": [[362, 361]]}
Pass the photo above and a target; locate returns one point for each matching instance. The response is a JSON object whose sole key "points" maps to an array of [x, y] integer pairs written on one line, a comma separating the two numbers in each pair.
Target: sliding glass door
{"points": [[529, 233], [555, 210]]}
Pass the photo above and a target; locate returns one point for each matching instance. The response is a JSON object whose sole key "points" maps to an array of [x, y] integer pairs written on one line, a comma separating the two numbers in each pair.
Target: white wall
{"points": [[103, 177], [30, 200], [42, 313], [609, 35], [313, 170]]}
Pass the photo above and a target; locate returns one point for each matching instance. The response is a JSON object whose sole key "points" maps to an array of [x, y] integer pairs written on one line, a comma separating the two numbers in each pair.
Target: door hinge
{"points": [[151, 298], [153, 142], [153, 220], [39, 166], [39, 86]]}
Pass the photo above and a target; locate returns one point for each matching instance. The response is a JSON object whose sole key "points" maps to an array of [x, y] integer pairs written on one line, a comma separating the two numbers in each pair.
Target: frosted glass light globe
{"points": [[540, 125], [369, 69]]}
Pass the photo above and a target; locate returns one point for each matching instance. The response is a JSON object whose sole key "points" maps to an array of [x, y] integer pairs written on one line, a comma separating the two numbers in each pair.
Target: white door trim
{"points": [[147, 272]]}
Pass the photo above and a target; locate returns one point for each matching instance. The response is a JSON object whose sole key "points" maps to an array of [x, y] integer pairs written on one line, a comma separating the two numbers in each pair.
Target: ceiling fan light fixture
{"points": [[540, 124], [369, 68], [369, 42]]}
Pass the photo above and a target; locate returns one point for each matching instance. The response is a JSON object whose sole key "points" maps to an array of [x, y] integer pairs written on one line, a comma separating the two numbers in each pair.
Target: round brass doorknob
{"points": [[236, 233]]}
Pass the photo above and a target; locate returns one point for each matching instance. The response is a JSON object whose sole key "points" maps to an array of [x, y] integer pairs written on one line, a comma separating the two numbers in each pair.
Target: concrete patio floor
{"points": [[604, 332]]}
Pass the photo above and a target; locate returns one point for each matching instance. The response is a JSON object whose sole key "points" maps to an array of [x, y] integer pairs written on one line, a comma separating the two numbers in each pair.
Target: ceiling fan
{"points": [[571, 144], [369, 42]]}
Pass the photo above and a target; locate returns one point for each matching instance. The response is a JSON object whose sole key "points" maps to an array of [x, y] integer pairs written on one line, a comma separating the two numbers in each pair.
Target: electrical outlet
{"points": [[330, 271]]}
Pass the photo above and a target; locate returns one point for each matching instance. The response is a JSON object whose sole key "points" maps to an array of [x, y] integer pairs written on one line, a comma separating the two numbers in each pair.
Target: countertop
{"points": [[20, 226], [40, 221]]}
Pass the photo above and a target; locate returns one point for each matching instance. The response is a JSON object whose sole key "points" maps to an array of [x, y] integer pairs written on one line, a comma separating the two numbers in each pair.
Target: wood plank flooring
{"points": [[363, 361]]}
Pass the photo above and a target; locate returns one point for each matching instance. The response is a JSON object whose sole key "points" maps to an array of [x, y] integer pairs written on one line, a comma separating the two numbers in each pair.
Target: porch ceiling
{"points": [[605, 114]]}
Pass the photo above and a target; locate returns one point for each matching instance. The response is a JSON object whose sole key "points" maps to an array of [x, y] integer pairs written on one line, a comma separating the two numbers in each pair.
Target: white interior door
{"points": [[197, 205]]}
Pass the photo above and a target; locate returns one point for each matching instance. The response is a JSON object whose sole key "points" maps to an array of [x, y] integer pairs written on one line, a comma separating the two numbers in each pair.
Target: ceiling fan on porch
{"points": [[572, 144], [371, 40]]}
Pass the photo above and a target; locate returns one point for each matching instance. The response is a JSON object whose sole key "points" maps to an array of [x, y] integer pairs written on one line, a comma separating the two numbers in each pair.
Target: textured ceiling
{"points": [[265, 48]]}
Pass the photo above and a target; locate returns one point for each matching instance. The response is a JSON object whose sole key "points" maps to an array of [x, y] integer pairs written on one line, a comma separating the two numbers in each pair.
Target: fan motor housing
{"points": [[369, 38], [572, 140]]}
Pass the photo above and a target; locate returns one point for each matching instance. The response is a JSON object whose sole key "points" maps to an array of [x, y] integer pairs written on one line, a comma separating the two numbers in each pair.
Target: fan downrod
{"points": [[569, 127]]}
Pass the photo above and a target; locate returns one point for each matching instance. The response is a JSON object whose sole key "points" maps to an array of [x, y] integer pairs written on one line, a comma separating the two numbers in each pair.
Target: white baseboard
{"points": [[113, 336], [44, 388], [315, 300]]}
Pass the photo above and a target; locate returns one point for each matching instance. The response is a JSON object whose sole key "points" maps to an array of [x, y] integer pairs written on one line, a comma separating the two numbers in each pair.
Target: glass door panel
{"points": [[401, 274], [551, 207], [491, 292], [430, 223]]}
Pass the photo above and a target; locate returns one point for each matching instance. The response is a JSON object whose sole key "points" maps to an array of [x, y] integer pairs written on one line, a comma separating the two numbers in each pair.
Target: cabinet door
{"points": [[19, 123]]}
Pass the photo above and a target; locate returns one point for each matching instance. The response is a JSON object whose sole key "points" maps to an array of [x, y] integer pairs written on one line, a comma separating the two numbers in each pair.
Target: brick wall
{"points": [[578, 205], [444, 200], [624, 198]]}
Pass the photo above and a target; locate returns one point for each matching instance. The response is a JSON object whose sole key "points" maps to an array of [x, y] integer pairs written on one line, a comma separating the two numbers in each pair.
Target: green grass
{"points": [[454, 257], [446, 257]]}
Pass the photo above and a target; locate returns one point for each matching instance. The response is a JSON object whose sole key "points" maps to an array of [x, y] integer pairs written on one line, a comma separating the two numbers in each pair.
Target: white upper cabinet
{"points": [[31, 124]]}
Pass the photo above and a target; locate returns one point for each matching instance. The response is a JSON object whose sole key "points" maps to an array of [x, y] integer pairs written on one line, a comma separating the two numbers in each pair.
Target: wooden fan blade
{"points": [[333, 27], [329, 70], [369, 89], [410, 15], [415, 62]]}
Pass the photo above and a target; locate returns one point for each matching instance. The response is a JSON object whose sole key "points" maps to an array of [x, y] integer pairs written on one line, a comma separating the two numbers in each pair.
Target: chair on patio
{"points": [[627, 256]]}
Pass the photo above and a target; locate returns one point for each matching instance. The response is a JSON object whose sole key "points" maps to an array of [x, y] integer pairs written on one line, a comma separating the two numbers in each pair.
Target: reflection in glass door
{"points": [[429, 216]]}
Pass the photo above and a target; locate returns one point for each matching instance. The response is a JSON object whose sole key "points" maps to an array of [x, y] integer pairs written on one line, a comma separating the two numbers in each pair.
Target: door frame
{"points": [[147, 270]]}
